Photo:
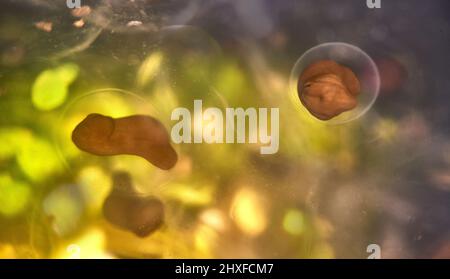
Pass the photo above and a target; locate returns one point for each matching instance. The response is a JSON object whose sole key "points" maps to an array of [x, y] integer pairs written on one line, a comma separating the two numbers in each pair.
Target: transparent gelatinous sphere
{"points": [[347, 55], [115, 103]]}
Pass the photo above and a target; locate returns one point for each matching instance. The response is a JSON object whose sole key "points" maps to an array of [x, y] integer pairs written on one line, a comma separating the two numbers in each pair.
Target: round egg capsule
{"points": [[334, 83]]}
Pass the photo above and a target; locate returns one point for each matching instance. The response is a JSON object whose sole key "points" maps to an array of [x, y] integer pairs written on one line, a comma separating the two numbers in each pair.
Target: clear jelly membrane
{"points": [[350, 56]]}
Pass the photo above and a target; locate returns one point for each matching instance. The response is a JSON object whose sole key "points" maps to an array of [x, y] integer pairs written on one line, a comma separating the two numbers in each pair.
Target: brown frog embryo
{"points": [[138, 135], [125, 209], [327, 89]]}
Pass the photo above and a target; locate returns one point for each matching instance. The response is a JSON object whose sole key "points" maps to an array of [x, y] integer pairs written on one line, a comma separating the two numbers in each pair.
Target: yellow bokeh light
{"points": [[95, 185], [51, 87], [189, 194], [90, 245], [14, 196], [294, 222], [149, 68], [386, 130], [38, 160], [248, 211], [7, 251], [12, 139], [322, 250], [204, 238], [214, 218]]}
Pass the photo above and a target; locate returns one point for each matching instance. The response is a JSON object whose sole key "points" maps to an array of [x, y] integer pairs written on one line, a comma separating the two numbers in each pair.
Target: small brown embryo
{"points": [[125, 209], [327, 89], [138, 135]]}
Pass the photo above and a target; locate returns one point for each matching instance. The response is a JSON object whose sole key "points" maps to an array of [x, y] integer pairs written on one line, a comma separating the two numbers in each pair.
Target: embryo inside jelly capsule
{"points": [[138, 135], [334, 82]]}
